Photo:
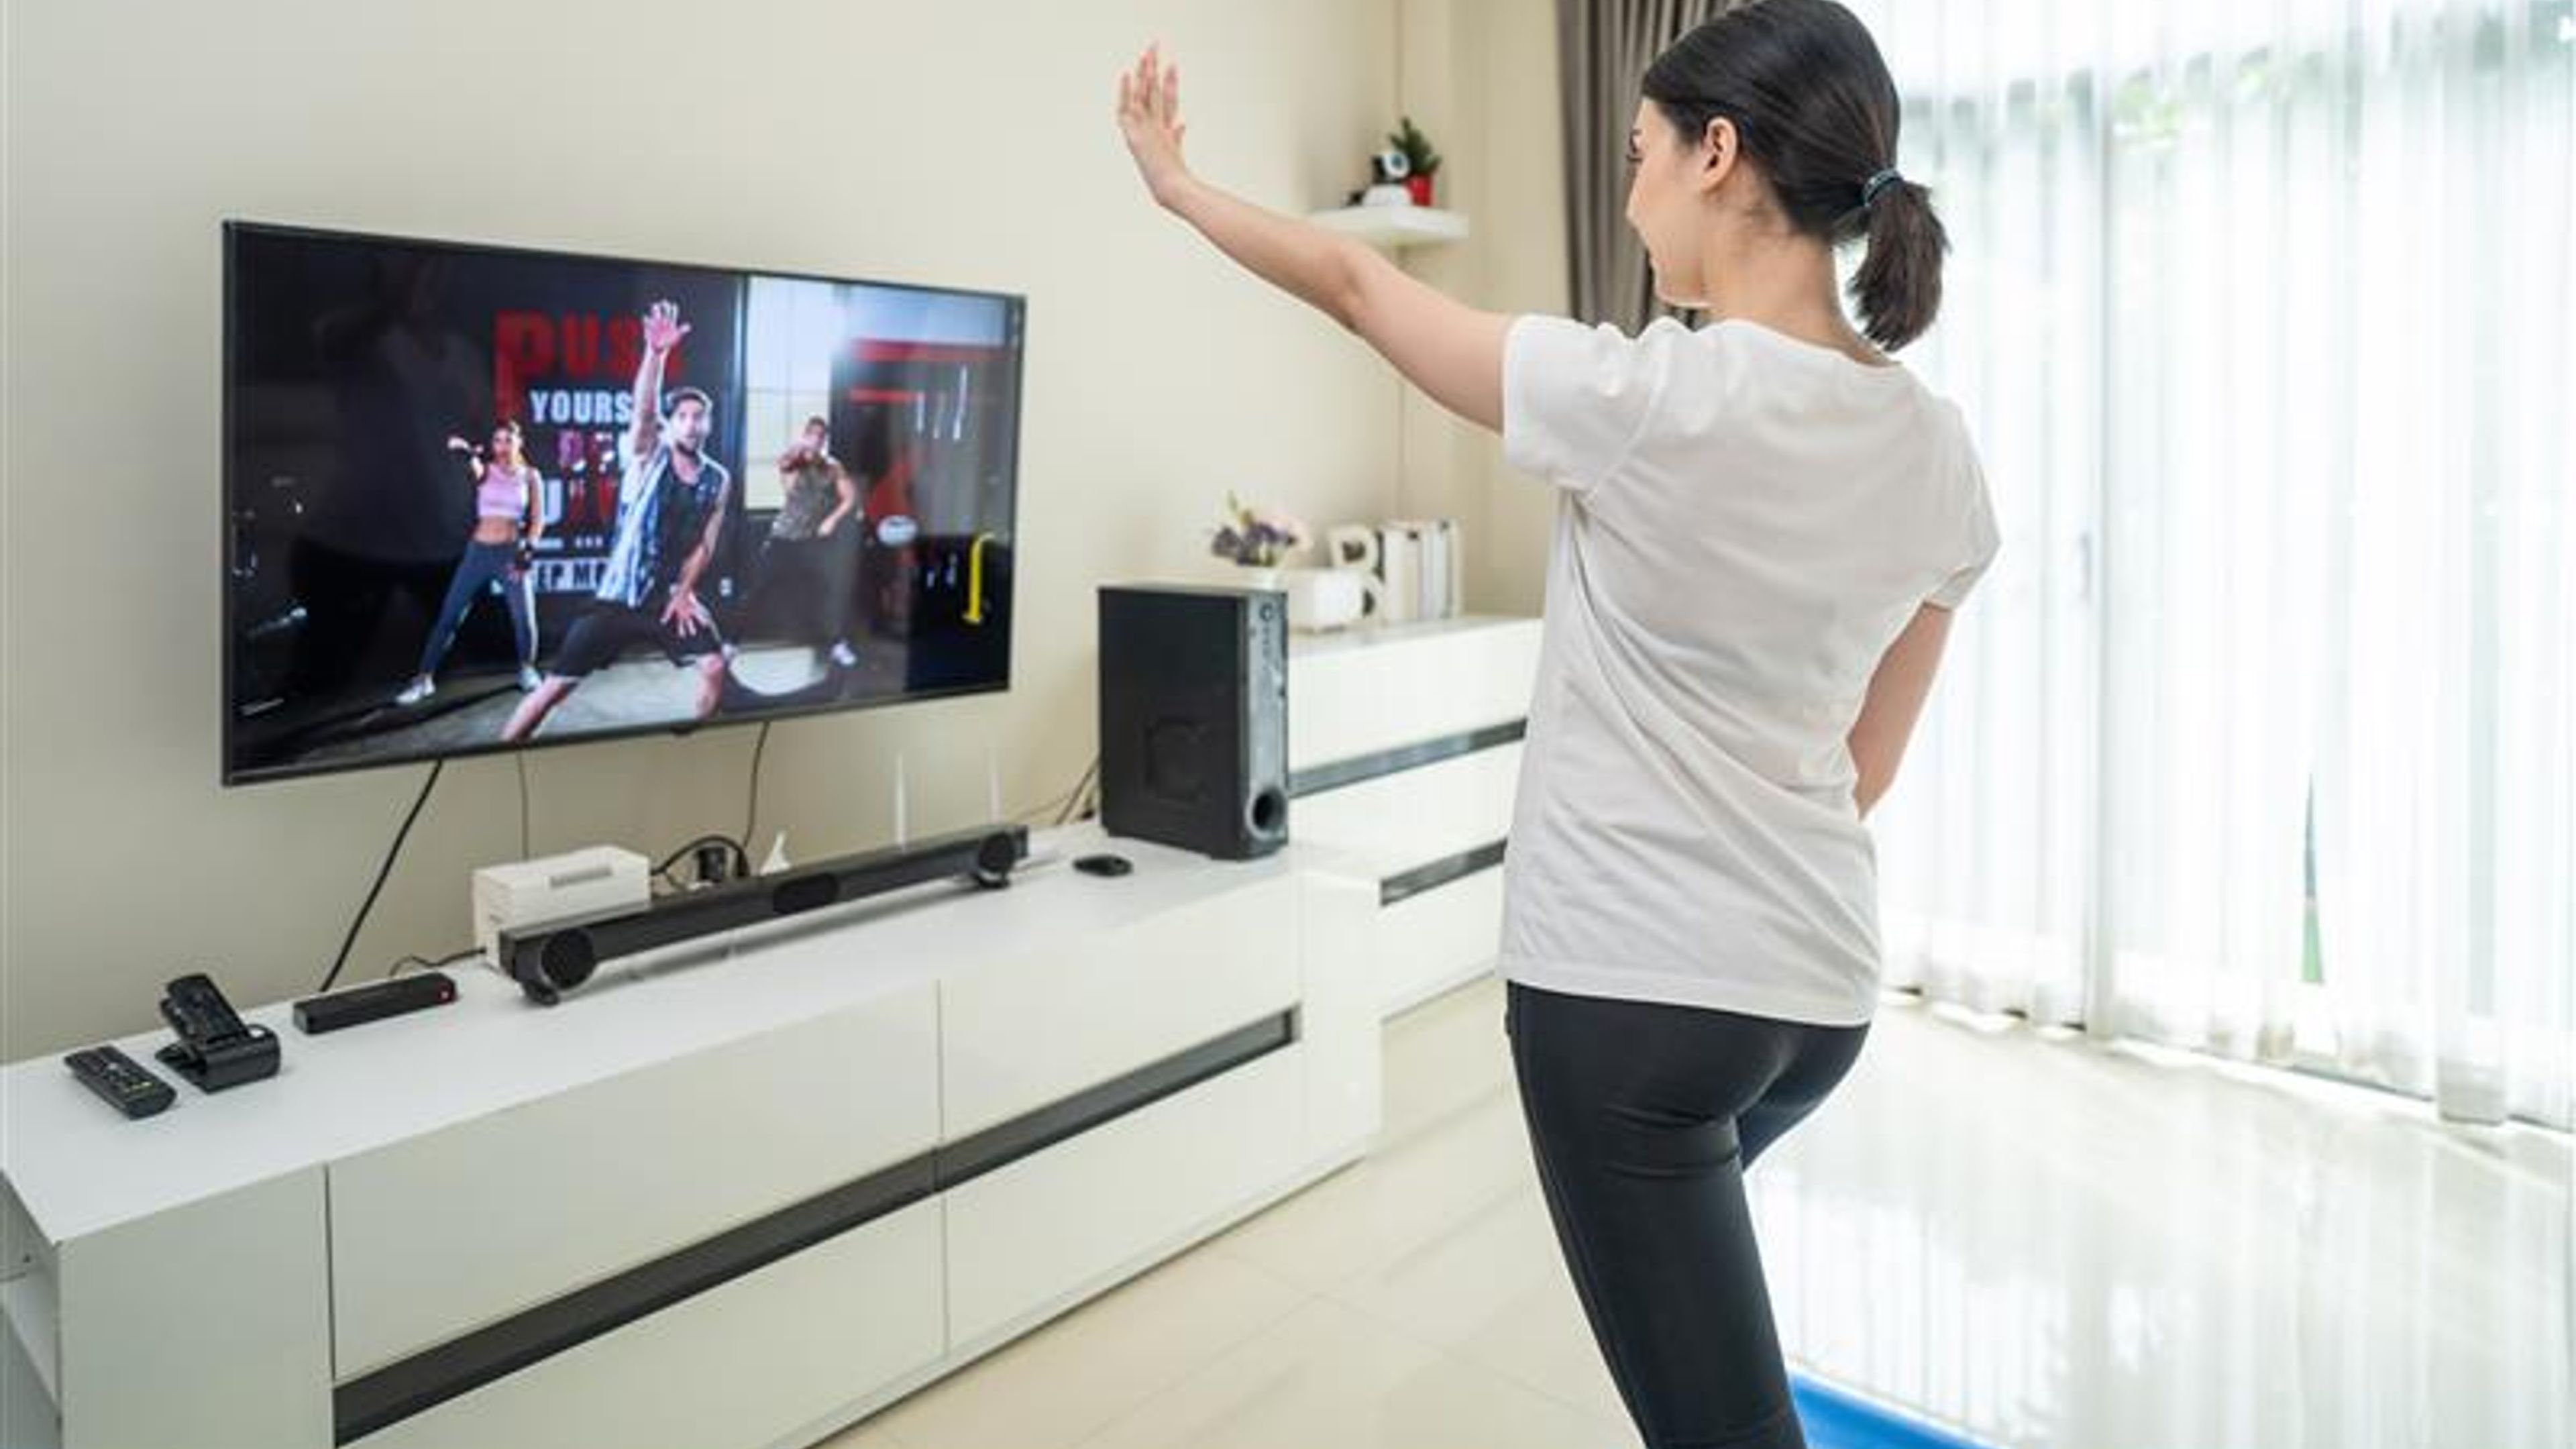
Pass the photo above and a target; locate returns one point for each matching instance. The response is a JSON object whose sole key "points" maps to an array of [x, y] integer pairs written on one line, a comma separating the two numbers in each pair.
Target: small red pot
{"points": [[1420, 186]]}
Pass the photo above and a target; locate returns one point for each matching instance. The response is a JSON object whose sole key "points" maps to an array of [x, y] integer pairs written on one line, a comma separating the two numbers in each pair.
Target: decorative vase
{"points": [[1257, 576], [1420, 186]]}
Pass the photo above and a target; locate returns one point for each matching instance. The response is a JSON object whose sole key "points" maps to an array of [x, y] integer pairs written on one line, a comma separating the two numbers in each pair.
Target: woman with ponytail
{"points": [[1763, 527]]}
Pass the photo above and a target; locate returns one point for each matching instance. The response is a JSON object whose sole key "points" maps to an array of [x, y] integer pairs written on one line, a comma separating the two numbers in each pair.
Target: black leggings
{"points": [[1643, 1118]]}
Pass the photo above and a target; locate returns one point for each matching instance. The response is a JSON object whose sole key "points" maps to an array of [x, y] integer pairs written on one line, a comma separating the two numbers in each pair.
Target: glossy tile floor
{"points": [[2025, 1237]]}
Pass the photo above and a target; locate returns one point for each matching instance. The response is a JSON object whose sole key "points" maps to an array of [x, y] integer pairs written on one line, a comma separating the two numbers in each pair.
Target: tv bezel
{"points": [[235, 229]]}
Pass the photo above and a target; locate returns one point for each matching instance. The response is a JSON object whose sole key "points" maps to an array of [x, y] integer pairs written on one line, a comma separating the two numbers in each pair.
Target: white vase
{"points": [[1256, 576]]}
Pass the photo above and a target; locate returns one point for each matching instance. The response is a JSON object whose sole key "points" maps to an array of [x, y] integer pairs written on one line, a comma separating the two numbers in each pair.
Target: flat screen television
{"points": [[479, 498]]}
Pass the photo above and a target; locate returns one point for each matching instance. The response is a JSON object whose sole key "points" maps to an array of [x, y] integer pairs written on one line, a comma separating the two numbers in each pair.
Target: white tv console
{"points": [[1404, 749], [739, 1194]]}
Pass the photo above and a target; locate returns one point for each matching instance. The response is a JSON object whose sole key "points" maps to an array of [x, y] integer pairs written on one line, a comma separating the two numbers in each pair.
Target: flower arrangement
{"points": [[1256, 537]]}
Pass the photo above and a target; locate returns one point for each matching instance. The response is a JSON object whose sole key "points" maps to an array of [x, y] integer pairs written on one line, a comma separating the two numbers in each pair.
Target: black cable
{"points": [[741, 856], [751, 813], [426, 964], [1062, 805], [1087, 800], [382, 872], [1074, 796]]}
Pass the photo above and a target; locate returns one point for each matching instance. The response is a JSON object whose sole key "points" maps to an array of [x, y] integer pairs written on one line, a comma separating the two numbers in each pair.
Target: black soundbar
{"points": [[548, 961]]}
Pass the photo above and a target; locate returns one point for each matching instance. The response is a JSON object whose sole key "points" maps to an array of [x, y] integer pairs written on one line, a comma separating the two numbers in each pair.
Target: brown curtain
{"points": [[1603, 49]]}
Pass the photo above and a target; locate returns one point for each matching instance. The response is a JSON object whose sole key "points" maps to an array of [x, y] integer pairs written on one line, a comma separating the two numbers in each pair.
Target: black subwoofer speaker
{"points": [[1194, 718]]}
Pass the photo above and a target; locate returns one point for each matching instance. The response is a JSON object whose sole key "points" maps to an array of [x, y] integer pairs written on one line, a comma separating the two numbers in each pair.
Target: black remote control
{"points": [[119, 1082]]}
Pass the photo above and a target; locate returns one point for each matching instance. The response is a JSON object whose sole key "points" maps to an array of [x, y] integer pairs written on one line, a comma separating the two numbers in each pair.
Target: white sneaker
{"points": [[416, 691], [842, 655], [529, 679]]}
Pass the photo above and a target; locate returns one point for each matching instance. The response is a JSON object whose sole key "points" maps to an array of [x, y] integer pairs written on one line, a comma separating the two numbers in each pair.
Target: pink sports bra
{"points": [[503, 494]]}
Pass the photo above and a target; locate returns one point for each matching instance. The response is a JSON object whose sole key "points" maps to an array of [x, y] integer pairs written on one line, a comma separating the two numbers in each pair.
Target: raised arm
{"points": [[1451, 351], [1897, 690], [663, 330], [473, 459]]}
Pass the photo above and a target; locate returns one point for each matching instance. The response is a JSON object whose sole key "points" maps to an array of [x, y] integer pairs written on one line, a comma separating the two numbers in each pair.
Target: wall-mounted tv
{"points": [[479, 498]]}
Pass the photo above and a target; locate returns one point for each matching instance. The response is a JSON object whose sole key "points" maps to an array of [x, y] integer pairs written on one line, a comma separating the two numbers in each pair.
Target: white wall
{"points": [[967, 144]]}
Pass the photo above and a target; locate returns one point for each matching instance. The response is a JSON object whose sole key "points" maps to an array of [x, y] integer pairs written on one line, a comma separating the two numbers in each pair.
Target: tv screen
{"points": [[481, 498]]}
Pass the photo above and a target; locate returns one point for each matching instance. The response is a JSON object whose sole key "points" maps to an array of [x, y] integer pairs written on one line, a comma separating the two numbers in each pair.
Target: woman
{"points": [[1763, 528], [509, 518]]}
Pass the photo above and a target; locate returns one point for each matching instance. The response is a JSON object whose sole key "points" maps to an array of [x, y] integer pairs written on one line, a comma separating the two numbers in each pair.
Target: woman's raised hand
{"points": [[1149, 116]]}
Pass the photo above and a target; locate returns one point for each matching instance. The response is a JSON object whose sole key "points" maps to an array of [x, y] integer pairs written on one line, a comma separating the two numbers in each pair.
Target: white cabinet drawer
{"points": [[1369, 693], [1018, 1035], [749, 1362], [243, 1275], [1395, 822], [451, 1231], [1430, 942], [1024, 1236]]}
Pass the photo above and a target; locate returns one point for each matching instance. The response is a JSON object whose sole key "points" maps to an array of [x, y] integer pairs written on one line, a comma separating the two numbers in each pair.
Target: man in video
{"points": [[809, 565], [670, 514]]}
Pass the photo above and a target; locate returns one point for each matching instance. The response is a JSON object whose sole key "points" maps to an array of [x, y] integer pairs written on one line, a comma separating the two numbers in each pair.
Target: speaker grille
{"points": [[569, 957], [804, 893]]}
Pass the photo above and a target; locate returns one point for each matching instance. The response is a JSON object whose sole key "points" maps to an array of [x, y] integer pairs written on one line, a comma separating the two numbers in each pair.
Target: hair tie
{"points": [[1870, 189]]}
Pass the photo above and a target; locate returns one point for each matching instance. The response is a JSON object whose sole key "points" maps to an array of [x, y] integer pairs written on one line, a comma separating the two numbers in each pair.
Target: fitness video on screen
{"points": [[482, 498]]}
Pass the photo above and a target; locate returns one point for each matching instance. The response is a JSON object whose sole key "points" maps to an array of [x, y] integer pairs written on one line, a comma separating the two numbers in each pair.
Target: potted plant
{"points": [[1423, 158], [1258, 539]]}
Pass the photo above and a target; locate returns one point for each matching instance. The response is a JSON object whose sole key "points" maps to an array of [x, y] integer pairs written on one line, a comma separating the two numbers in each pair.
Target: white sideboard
{"points": [[738, 1194], [1404, 748]]}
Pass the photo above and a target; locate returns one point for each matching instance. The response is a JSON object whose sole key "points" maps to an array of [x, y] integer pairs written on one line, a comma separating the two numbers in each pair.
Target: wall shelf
{"points": [[1396, 226]]}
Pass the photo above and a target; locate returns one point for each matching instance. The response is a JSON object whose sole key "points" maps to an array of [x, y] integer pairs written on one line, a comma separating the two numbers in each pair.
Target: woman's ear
{"points": [[1719, 148]]}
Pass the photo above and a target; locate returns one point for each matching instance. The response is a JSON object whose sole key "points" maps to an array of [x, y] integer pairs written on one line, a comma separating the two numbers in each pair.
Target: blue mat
{"points": [[1836, 1420]]}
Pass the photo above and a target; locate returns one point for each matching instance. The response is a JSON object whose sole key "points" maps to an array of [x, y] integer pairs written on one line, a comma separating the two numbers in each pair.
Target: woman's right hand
{"points": [[1149, 116]]}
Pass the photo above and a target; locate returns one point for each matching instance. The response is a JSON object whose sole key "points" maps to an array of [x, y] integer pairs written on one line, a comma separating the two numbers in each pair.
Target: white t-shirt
{"points": [[1748, 521]]}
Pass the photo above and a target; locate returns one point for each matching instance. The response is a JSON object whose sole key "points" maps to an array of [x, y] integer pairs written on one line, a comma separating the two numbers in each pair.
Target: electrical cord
{"points": [[427, 964], [742, 857], [1090, 772], [751, 813], [382, 872], [1060, 806]]}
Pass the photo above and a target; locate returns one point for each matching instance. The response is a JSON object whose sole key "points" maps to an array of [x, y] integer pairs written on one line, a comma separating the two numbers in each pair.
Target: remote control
{"points": [[119, 1082]]}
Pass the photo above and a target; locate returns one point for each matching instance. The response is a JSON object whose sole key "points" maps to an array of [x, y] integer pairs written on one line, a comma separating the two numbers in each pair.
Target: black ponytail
{"points": [[1816, 113], [1898, 286]]}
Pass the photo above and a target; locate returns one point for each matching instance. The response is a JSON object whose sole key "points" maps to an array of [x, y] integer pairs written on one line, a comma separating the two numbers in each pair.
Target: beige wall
{"points": [[1480, 77], [968, 145]]}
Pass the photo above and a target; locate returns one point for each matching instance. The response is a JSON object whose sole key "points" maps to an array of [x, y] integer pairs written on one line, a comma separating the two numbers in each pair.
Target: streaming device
{"points": [[315, 1015], [1104, 863]]}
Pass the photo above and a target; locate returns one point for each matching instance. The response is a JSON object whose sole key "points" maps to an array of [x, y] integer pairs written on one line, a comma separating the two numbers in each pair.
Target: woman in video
{"points": [[509, 518]]}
